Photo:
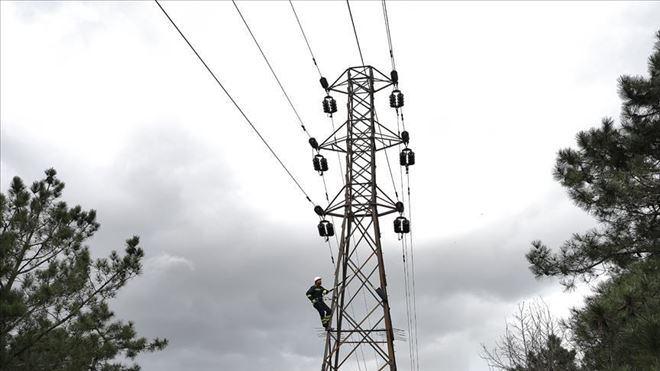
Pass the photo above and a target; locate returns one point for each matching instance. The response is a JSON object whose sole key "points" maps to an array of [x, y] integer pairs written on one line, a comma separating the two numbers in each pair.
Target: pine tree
{"points": [[619, 327], [53, 294], [614, 175]]}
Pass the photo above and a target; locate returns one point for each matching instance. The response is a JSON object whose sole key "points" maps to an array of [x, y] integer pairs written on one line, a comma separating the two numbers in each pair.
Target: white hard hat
{"points": [[316, 278]]}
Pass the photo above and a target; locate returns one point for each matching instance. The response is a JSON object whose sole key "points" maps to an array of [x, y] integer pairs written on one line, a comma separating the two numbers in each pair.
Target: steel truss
{"points": [[360, 271]]}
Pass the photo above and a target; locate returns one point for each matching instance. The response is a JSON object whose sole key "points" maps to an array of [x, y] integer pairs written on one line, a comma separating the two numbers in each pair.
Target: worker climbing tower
{"points": [[360, 282]]}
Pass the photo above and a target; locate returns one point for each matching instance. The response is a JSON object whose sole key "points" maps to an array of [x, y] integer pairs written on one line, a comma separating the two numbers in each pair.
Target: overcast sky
{"points": [[109, 95]]}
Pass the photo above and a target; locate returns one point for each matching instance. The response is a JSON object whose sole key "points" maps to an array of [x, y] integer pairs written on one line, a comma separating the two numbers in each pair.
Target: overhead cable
{"points": [[302, 125], [305, 37], [355, 31], [234, 102], [389, 37]]}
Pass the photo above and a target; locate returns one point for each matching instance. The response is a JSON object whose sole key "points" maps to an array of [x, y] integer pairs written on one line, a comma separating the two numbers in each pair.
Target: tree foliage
{"points": [[53, 294], [619, 327], [615, 176], [532, 342]]}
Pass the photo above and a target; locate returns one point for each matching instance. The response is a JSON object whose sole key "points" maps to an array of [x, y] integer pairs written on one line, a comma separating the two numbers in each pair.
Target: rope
{"points": [[305, 37], [355, 31], [412, 262], [357, 256], [302, 124], [387, 157], [407, 296], [235, 104], [350, 310]]}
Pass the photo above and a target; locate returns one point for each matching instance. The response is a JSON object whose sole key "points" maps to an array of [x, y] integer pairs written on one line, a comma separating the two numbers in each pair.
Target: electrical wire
{"points": [[389, 36], [234, 102], [399, 113], [409, 271], [302, 124], [355, 31], [305, 37], [409, 294]]}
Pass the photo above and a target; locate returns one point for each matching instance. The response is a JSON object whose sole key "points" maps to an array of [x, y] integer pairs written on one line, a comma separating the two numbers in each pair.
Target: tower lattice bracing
{"points": [[361, 319]]}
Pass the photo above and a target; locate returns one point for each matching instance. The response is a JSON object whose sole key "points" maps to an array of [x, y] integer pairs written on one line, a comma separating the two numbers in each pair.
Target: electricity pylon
{"points": [[360, 282]]}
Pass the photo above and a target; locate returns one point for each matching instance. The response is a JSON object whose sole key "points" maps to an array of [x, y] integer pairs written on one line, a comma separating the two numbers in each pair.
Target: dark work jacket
{"points": [[315, 294]]}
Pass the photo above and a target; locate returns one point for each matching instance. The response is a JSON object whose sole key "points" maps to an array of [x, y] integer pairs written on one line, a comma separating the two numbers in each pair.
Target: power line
{"points": [[355, 31], [389, 36], [302, 125], [234, 102], [411, 305], [305, 37]]}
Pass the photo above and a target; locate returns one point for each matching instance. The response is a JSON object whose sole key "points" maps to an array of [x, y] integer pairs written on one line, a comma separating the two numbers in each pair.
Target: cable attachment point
{"points": [[319, 210], [314, 143], [324, 84], [399, 207], [405, 137], [395, 77]]}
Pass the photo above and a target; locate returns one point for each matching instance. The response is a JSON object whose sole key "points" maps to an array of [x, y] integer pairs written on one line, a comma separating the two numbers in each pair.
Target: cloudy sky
{"points": [[109, 95]]}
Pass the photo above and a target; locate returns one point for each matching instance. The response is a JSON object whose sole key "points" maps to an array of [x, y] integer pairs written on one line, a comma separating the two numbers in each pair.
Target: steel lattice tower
{"points": [[361, 313]]}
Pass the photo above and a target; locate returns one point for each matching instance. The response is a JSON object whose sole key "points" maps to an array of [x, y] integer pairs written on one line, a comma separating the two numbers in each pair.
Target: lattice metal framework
{"points": [[361, 313]]}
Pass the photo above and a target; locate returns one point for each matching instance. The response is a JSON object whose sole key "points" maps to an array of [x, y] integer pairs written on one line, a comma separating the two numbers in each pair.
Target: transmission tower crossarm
{"points": [[381, 81]]}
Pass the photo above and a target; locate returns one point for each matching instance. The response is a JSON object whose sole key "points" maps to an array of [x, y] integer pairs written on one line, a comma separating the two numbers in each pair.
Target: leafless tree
{"points": [[530, 341]]}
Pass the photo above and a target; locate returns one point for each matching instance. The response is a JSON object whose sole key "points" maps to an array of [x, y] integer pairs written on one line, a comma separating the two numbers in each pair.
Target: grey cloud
{"points": [[228, 291], [225, 284], [29, 11], [243, 298]]}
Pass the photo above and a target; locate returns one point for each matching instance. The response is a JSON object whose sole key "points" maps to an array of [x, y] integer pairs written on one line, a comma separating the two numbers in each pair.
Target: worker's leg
{"points": [[319, 306], [324, 312], [325, 320], [326, 309]]}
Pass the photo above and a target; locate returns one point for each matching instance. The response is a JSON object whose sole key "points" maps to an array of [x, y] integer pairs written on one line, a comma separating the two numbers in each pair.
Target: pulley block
{"points": [[329, 105], [405, 137], [396, 99], [320, 164], [401, 225], [407, 157], [326, 229]]}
